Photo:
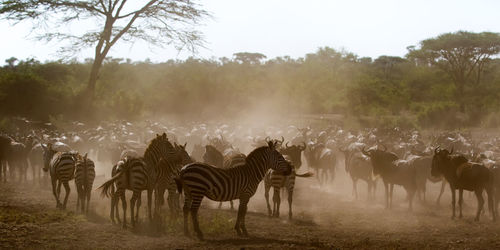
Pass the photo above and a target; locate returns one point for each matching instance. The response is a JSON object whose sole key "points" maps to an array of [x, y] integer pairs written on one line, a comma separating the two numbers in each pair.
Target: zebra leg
{"points": [[78, 196], [124, 206], [232, 205], [220, 205], [355, 188], [114, 197], [195, 205], [138, 206], [276, 202], [240, 221], [54, 191], [89, 193], [132, 207], [68, 190], [267, 187], [185, 210]]}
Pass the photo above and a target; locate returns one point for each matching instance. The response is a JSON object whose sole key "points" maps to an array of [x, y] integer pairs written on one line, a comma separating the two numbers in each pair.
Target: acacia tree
{"points": [[158, 22], [462, 55]]}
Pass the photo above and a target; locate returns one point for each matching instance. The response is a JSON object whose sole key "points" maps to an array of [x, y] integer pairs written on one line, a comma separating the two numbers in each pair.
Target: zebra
{"points": [[84, 179], [277, 181], [62, 170], [199, 180], [158, 148], [233, 161], [132, 174], [115, 198]]}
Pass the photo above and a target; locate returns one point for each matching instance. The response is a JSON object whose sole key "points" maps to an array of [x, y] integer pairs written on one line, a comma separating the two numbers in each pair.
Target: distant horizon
{"points": [[277, 29]]}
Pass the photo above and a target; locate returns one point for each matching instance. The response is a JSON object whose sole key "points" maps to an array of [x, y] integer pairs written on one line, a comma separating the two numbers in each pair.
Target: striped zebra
{"points": [[115, 199], [199, 180], [131, 174], [159, 148], [278, 181], [84, 179], [62, 170]]}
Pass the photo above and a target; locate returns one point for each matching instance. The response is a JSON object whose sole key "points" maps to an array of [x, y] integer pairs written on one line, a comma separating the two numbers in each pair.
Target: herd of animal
{"points": [[153, 157]]}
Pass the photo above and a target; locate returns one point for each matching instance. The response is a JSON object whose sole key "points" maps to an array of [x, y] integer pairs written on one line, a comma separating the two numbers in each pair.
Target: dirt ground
{"points": [[326, 217]]}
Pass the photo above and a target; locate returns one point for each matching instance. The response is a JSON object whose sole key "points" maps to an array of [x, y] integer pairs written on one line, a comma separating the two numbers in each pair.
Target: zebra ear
{"points": [[186, 144], [85, 156], [164, 135]]}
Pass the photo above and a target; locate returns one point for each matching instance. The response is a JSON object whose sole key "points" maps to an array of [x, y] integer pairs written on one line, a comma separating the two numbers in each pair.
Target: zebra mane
{"points": [[257, 151]]}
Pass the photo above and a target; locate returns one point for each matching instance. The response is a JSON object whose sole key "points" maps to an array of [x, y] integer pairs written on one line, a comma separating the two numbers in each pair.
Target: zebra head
{"points": [[48, 153], [278, 162]]}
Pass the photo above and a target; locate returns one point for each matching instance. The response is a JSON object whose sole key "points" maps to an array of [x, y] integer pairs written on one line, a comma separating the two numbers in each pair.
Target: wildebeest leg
{"points": [[390, 195], [460, 201], [386, 195], [411, 195], [480, 202], [68, 190], [491, 206], [453, 191], [276, 202], [267, 187], [240, 221], [354, 188], [443, 184], [290, 199]]}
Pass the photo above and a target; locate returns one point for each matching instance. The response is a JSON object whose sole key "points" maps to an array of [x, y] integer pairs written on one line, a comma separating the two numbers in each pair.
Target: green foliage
{"points": [[387, 91]]}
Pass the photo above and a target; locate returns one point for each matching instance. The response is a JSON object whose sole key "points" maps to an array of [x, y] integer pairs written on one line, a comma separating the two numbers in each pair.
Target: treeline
{"points": [[386, 90]]}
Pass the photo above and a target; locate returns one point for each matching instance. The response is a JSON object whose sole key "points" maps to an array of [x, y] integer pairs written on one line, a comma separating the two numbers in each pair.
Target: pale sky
{"points": [[295, 28]]}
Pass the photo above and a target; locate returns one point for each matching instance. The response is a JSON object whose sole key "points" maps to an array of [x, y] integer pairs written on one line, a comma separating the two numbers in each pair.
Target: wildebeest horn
{"points": [[451, 152], [282, 139], [365, 152], [267, 139], [286, 145]]}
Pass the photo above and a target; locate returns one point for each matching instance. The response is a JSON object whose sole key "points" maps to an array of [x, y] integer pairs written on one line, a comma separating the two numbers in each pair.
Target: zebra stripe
{"points": [[84, 180], [199, 180]]}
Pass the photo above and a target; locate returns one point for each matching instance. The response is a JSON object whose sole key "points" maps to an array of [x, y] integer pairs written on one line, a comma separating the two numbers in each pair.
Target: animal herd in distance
{"points": [[230, 175]]}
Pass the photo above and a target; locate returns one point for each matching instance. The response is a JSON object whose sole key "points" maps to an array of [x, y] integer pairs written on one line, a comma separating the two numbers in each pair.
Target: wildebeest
{"points": [[359, 168], [392, 171], [464, 175]]}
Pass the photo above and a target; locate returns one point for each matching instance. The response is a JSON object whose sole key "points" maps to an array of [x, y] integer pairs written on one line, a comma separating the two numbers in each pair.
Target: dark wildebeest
{"points": [[359, 168], [323, 160], [462, 174], [4, 151], [392, 171]]}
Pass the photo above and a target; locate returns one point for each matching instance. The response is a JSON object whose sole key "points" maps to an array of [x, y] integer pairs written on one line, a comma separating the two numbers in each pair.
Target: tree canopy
{"points": [[158, 22]]}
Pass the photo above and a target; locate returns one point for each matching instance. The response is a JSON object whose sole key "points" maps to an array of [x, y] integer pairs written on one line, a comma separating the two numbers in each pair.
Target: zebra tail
{"points": [[178, 182], [108, 186], [305, 175]]}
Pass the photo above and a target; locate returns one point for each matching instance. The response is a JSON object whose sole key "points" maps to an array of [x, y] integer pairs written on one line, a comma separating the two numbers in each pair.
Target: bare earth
{"points": [[325, 217]]}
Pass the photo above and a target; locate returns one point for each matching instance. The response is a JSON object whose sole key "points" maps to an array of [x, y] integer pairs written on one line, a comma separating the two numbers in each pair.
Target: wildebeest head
{"points": [[294, 152], [439, 161], [380, 159]]}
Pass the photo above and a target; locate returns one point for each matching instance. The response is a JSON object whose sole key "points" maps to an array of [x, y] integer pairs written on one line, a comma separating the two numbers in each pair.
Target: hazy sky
{"points": [[295, 28]]}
